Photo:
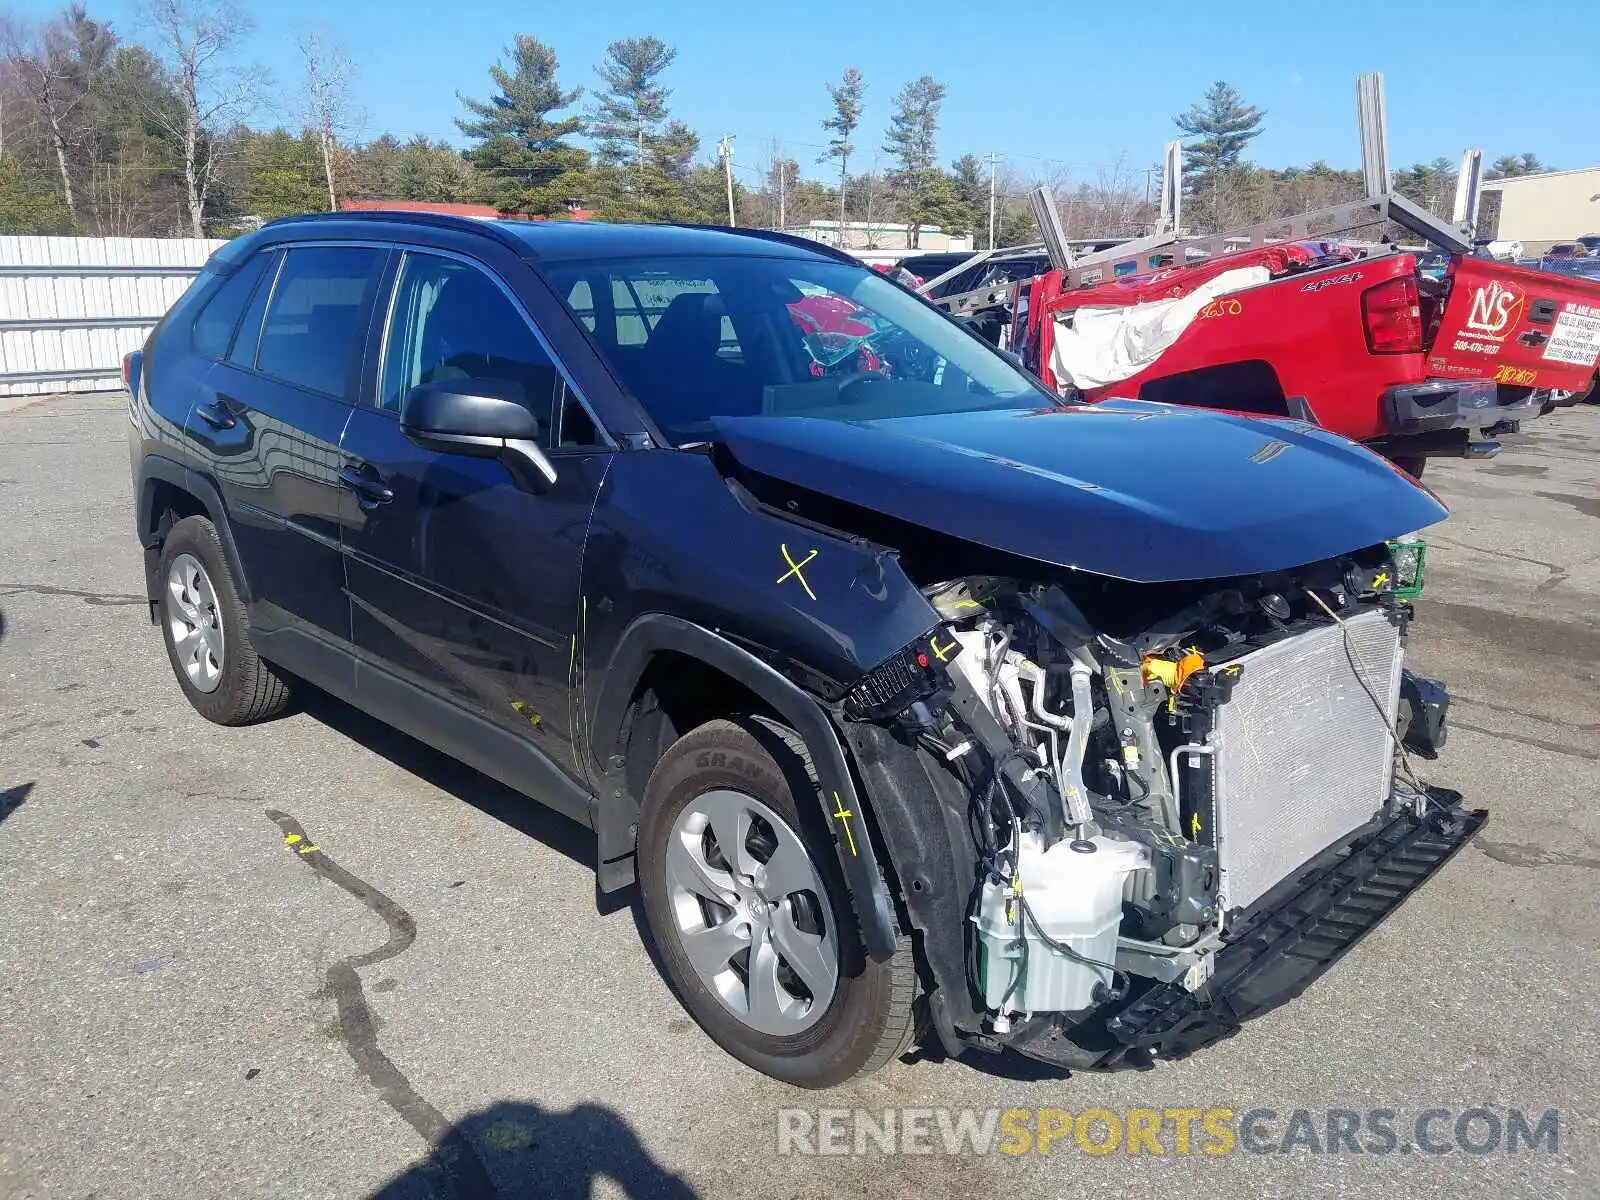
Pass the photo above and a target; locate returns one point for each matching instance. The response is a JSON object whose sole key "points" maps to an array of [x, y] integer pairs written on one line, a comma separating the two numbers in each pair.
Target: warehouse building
{"points": [[1539, 210]]}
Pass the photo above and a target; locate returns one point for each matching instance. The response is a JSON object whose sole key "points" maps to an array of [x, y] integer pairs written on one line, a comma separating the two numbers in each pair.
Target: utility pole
{"points": [[992, 159], [725, 156], [783, 190]]}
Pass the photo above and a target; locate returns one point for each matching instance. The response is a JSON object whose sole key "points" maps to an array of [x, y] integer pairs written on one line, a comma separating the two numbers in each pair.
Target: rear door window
{"points": [[316, 322]]}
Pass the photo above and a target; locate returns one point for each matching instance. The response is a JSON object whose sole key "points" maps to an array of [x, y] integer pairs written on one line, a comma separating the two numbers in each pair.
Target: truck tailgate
{"points": [[1516, 326]]}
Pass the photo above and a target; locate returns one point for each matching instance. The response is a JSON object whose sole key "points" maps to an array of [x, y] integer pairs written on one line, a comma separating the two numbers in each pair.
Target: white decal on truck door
{"points": [[1495, 309]]}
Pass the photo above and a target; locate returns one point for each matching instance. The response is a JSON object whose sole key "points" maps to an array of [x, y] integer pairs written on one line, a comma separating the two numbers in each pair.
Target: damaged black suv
{"points": [[918, 701]]}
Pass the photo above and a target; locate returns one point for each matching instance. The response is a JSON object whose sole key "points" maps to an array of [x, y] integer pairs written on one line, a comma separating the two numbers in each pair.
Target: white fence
{"points": [[71, 307]]}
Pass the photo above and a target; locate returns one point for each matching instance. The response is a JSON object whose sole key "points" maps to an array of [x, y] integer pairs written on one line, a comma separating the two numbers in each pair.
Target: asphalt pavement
{"points": [[434, 1004]]}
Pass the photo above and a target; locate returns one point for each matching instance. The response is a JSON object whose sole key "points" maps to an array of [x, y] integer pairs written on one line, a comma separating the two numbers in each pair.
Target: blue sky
{"points": [[1070, 81]]}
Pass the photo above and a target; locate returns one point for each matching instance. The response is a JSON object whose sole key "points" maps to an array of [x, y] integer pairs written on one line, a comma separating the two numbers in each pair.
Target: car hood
{"points": [[1144, 492]]}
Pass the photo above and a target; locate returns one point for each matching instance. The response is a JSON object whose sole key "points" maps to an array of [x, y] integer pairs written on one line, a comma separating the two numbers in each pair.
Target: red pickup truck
{"points": [[1416, 367]]}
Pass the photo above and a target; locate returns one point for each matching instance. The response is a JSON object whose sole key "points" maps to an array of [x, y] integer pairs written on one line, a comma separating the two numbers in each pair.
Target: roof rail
{"points": [[787, 239], [400, 216]]}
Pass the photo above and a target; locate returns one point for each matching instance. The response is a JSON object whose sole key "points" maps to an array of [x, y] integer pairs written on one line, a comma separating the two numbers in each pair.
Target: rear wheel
{"points": [[208, 636], [751, 917]]}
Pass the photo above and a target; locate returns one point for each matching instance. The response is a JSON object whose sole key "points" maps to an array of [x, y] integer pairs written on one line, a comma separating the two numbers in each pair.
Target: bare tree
{"points": [[199, 44], [329, 72], [41, 60]]}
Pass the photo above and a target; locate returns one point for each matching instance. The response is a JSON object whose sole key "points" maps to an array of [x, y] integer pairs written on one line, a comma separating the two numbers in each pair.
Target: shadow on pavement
{"points": [[520, 1149], [11, 799], [489, 796]]}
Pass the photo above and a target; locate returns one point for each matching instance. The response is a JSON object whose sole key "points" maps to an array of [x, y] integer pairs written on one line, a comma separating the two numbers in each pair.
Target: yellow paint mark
{"points": [[844, 815], [1381, 579], [1195, 825], [308, 849], [291, 838], [794, 569], [942, 652], [522, 709]]}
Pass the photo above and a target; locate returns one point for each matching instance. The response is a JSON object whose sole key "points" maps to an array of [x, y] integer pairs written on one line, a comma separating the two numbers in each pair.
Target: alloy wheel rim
{"points": [[194, 622], [751, 914]]}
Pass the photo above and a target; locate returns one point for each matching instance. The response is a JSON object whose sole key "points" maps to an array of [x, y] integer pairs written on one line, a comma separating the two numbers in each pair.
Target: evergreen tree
{"points": [[1431, 185], [644, 159], [1220, 125], [972, 190], [29, 205], [521, 148], [1511, 165], [846, 119], [926, 194], [932, 199], [282, 173], [632, 110], [914, 128]]}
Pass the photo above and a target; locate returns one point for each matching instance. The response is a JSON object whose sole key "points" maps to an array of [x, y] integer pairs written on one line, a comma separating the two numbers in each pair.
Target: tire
{"points": [[1411, 464], [215, 664], [868, 1019]]}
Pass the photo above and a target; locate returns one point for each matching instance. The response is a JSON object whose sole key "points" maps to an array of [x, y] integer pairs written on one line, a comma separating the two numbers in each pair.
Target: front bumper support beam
{"points": [[1275, 951], [1298, 932]]}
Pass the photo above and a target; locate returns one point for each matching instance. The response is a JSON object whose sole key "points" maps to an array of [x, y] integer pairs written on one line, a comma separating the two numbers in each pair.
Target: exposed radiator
{"points": [[1302, 755]]}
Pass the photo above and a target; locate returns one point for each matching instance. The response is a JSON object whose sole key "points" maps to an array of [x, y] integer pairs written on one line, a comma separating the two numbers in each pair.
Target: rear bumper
{"points": [[1447, 404], [1442, 404], [1293, 935]]}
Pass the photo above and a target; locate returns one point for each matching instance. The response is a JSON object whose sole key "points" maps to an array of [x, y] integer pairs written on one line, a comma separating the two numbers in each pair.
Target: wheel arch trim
{"points": [[842, 805], [155, 469]]}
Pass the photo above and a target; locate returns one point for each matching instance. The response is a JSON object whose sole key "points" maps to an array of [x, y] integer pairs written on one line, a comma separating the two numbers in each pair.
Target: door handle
{"points": [[216, 415], [369, 489]]}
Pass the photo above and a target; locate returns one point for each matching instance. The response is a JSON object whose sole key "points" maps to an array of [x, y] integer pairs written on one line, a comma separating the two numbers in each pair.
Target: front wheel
{"points": [[751, 917]]}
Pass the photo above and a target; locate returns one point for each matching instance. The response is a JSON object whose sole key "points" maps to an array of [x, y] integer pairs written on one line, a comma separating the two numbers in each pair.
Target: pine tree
{"points": [[846, 119], [927, 196], [644, 158], [1222, 125], [528, 165], [972, 189], [1510, 165], [914, 128], [633, 108]]}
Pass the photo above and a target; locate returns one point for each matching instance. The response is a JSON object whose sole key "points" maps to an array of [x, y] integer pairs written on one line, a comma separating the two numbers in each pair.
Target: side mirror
{"points": [[482, 418]]}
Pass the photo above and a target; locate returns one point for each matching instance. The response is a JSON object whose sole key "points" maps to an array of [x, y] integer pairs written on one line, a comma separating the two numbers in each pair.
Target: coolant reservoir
{"points": [[1076, 899]]}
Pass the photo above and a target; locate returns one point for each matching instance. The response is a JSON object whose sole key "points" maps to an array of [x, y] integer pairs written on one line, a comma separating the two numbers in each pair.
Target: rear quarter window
{"points": [[214, 327]]}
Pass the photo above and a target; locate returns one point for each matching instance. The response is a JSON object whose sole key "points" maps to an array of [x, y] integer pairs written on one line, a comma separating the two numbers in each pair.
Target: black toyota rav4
{"points": [[917, 701]]}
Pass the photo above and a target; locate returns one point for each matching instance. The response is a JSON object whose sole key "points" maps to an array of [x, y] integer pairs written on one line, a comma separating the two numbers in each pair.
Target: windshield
{"points": [[701, 337]]}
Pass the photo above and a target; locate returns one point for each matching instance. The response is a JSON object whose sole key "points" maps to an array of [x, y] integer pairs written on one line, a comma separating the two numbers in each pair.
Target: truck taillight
{"points": [[1392, 311]]}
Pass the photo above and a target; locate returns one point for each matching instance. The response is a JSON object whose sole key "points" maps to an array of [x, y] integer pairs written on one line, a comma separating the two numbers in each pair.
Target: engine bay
{"points": [[1113, 816]]}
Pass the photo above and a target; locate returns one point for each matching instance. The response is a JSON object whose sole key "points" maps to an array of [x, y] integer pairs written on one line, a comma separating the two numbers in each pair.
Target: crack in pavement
{"points": [[1558, 573], [101, 599], [1517, 712], [465, 1175], [1536, 743]]}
